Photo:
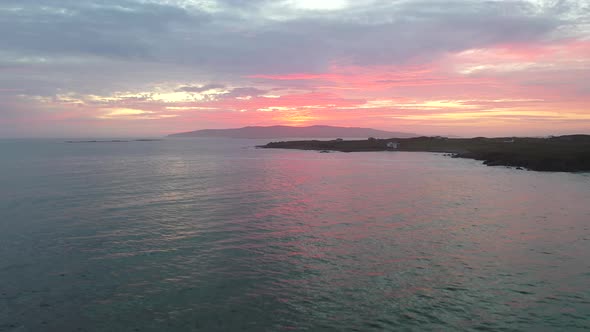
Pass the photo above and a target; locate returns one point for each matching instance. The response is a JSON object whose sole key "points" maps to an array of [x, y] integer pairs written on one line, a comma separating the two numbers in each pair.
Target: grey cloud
{"points": [[125, 44], [390, 34], [243, 92], [203, 88], [232, 93], [164, 33], [421, 30], [123, 28]]}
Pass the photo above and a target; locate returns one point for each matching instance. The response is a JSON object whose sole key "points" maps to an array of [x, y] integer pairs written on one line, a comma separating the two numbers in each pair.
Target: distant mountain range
{"points": [[295, 132]]}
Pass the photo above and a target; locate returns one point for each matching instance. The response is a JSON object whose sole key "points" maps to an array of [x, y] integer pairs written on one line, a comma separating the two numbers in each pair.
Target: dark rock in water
{"points": [[492, 163], [325, 151]]}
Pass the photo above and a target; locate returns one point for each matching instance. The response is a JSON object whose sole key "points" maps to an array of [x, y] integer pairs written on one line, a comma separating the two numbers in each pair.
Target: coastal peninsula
{"points": [[569, 153]]}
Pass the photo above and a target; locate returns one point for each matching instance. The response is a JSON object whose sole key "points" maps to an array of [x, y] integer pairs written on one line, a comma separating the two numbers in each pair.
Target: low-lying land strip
{"points": [[569, 153]]}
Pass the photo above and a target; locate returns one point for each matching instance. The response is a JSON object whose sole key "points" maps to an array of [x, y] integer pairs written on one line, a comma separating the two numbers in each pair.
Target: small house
{"points": [[392, 145]]}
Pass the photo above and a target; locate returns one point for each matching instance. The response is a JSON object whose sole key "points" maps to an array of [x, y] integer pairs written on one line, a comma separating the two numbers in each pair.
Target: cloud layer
{"points": [[136, 67]]}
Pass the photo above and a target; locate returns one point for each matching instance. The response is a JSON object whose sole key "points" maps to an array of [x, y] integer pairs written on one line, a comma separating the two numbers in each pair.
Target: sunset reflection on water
{"points": [[193, 235]]}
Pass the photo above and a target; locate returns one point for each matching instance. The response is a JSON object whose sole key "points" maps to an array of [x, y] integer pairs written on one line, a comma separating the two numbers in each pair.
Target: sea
{"points": [[217, 235]]}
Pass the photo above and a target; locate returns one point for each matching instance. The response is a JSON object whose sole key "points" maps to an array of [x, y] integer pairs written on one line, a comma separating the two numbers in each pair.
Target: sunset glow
{"points": [[522, 69]]}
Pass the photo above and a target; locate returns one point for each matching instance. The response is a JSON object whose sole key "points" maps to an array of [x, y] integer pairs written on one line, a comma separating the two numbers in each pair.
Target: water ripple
{"points": [[182, 236]]}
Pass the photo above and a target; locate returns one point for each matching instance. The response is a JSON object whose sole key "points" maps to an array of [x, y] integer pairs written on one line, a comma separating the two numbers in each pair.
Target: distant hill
{"points": [[295, 132]]}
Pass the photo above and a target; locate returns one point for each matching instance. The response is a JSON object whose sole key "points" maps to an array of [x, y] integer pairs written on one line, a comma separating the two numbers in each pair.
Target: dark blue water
{"points": [[214, 235]]}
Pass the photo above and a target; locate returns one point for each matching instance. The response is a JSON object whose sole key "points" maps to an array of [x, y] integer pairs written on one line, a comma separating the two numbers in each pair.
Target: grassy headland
{"points": [[569, 153]]}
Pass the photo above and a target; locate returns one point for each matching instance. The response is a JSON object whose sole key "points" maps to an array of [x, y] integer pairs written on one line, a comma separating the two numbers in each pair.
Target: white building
{"points": [[392, 145]]}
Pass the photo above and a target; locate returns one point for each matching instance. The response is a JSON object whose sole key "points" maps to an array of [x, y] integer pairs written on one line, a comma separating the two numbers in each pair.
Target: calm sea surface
{"points": [[214, 235]]}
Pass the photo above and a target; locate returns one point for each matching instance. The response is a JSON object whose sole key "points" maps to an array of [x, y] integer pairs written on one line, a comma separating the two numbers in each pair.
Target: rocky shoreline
{"points": [[570, 153]]}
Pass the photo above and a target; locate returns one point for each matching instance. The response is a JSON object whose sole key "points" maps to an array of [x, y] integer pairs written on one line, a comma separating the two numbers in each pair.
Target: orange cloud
{"points": [[523, 88]]}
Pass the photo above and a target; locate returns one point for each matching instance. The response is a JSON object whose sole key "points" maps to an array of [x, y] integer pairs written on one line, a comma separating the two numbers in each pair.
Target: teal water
{"points": [[214, 235]]}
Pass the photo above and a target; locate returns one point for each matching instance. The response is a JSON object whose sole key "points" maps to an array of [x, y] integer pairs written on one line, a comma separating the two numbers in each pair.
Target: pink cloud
{"points": [[523, 88]]}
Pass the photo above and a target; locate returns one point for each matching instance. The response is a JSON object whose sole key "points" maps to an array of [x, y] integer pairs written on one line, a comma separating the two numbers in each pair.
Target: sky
{"points": [[118, 68]]}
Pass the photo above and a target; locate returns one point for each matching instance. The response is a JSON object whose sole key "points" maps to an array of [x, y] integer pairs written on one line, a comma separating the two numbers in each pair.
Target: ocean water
{"points": [[215, 235]]}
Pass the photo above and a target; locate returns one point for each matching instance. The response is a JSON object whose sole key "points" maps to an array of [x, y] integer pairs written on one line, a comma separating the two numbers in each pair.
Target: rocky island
{"points": [[570, 153]]}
